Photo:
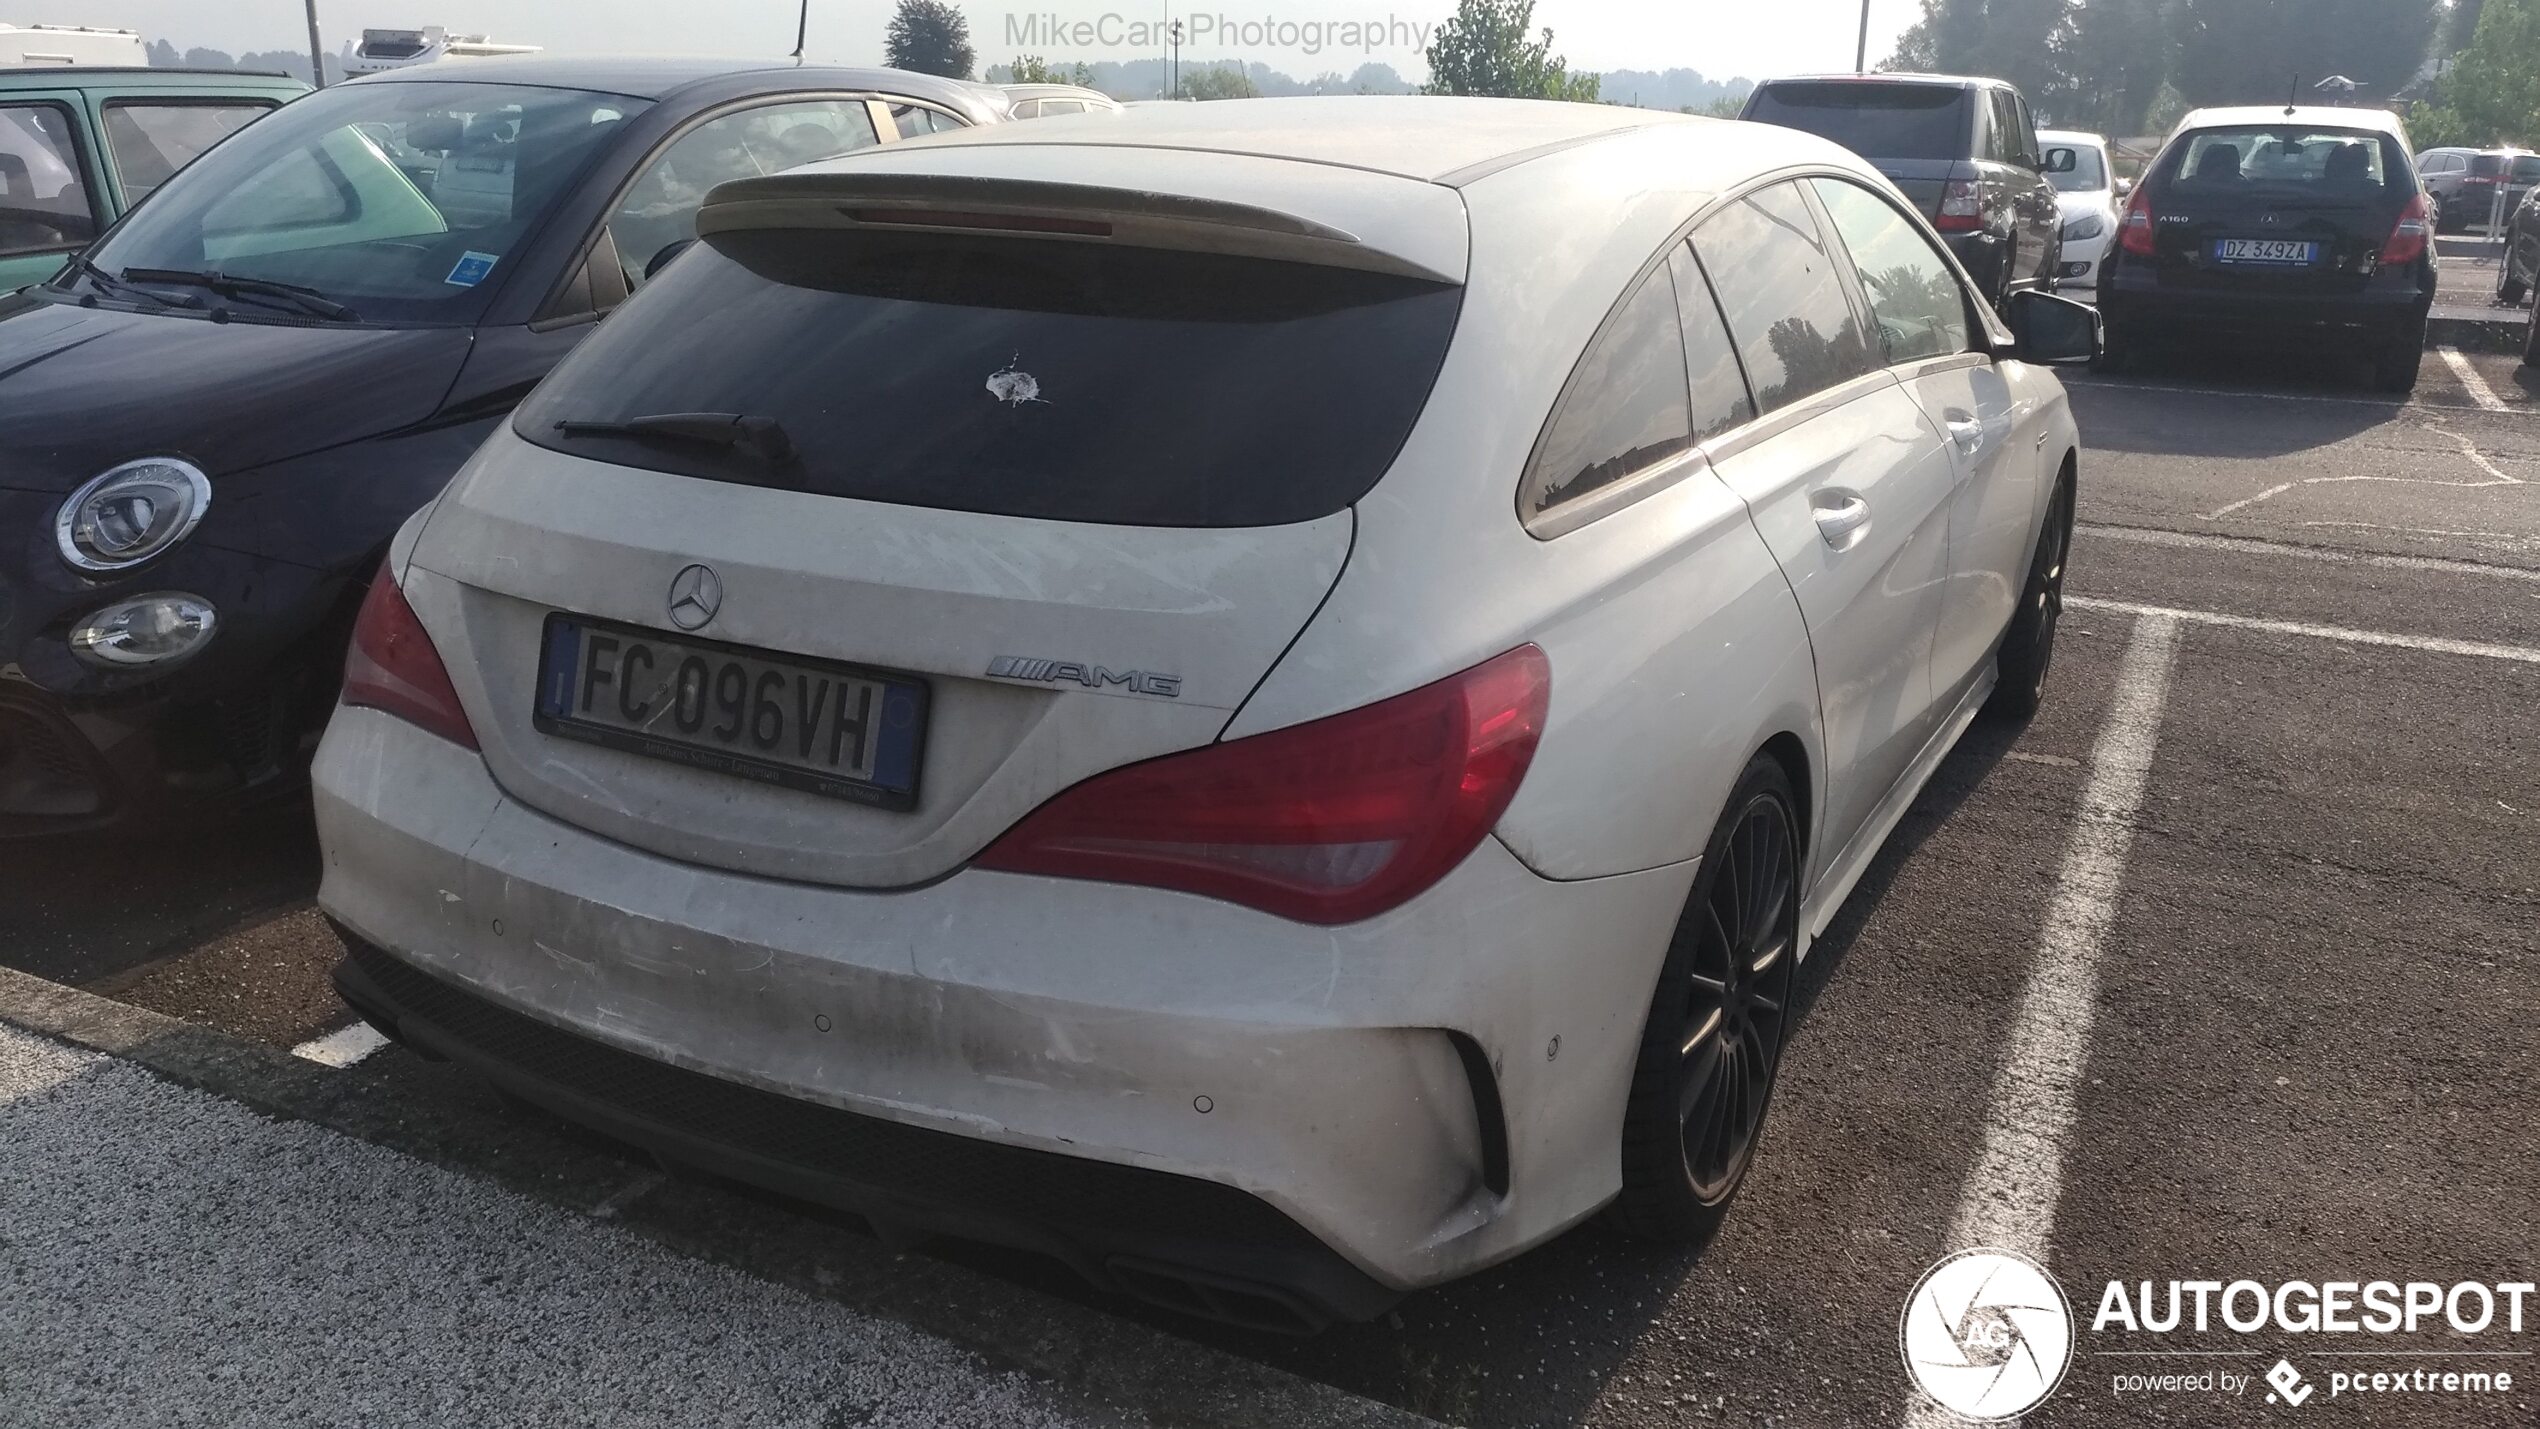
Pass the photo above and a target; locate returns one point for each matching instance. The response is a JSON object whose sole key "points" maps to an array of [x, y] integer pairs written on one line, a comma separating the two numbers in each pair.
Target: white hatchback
{"points": [[1263, 697]]}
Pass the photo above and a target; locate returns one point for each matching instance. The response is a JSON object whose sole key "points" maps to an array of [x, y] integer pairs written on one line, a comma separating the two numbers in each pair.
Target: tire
{"points": [[1717, 1023], [2531, 337], [2395, 370], [2510, 288], [2028, 644]]}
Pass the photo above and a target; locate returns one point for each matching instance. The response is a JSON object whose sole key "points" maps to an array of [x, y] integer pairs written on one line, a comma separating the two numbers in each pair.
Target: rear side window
{"points": [[1876, 119], [151, 142], [1786, 307], [1074, 381], [2297, 158], [1625, 409], [2526, 168], [2486, 166], [1915, 302]]}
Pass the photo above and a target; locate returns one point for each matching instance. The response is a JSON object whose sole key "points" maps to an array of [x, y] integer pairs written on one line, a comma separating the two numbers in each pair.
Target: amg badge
{"points": [[1092, 677]]}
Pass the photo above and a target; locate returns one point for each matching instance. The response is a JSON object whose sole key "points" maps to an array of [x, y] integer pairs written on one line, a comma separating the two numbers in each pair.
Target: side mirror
{"points": [[662, 259], [2046, 328], [2125, 188], [2060, 161]]}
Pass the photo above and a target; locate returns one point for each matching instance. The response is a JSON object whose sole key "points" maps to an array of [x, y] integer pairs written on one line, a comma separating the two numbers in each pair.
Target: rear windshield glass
{"points": [[2308, 160], [1876, 121], [2486, 166], [2526, 167], [1026, 377]]}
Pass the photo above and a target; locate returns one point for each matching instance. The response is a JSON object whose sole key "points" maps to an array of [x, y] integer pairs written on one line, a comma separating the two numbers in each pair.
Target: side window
{"points": [[2029, 152], [44, 205], [660, 206], [917, 119], [151, 142], [1024, 109], [1624, 410], [1720, 399], [1063, 106], [1786, 308], [1915, 301]]}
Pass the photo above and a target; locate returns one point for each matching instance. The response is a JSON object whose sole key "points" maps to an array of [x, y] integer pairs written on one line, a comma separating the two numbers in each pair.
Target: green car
{"points": [[81, 144]]}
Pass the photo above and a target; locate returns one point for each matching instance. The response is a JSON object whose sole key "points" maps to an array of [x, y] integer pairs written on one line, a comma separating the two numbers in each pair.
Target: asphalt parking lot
{"points": [[2226, 966]]}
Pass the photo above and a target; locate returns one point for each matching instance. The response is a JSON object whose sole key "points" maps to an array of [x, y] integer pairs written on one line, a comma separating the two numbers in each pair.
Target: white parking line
{"points": [[342, 1047], [2251, 545], [2434, 644], [2010, 1198], [2479, 391]]}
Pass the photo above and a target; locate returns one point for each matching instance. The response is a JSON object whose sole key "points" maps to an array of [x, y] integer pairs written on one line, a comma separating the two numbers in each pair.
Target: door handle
{"points": [[1842, 518], [1967, 435]]}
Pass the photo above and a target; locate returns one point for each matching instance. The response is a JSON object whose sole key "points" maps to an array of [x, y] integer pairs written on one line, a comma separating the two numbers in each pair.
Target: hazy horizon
{"points": [[1719, 39]]}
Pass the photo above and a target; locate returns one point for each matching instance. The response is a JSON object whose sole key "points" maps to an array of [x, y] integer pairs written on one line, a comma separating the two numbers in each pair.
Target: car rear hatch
{"points": [[2295, 211], [1920, 135], [1002, 483]]}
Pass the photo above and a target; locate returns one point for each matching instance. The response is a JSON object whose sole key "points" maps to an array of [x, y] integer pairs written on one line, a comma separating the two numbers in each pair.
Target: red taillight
{"points": [[2407, 239], [2134, 231], [393, 667], [1325, 822], [1961, 208]]}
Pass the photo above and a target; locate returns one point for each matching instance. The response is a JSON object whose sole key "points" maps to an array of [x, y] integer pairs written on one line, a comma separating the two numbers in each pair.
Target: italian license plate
{"points": [[2265, 250], [839, 730]]}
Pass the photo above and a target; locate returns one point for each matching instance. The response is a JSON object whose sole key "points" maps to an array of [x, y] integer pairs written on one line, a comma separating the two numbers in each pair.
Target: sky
{"points": [[1721, 38]]}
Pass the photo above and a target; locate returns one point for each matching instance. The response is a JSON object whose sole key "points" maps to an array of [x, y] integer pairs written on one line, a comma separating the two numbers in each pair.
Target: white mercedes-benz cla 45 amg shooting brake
{"points": [[1262, 697]]}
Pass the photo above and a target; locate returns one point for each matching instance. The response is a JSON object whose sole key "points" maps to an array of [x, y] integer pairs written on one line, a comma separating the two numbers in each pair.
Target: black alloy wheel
{"points": [[2028, 646], [1713, 1043]]}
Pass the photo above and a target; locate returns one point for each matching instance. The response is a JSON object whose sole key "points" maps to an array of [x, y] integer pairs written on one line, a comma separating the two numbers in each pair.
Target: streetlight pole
{"points": [[317, 51], [1175, 73], [1861, 56]]}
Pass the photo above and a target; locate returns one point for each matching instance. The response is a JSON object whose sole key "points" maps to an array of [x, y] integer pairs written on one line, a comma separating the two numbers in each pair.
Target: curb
{"points": [[2476, 329], [1119, 1371]]}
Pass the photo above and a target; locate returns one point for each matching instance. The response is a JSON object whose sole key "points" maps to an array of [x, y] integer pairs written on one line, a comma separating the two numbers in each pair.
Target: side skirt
{"points": [[1845, 872]]}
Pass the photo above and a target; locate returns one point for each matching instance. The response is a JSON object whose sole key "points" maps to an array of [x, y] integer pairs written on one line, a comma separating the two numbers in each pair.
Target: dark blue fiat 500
{"points": [[213, 420]]}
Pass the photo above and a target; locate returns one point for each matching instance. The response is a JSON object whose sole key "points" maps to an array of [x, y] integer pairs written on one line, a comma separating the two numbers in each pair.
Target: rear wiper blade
{"points": [[307, 300], [114, 287], [761, 437]]}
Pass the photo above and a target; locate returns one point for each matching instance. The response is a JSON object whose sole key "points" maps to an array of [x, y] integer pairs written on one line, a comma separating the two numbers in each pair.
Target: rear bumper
{"points": [[2140, 311], [1342, 1113], [1197, 1245]]}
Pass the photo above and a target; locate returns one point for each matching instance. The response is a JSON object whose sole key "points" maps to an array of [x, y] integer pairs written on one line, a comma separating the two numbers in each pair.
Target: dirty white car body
{"points": [[1274, 1107], [2086, 200]]}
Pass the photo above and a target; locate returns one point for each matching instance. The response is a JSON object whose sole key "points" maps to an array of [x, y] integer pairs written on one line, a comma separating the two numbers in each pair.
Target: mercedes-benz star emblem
{"points": [[696, 593]]}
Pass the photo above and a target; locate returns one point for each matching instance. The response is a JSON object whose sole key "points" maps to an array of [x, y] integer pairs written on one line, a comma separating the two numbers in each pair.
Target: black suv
{"points": [[2285, 229], [1964, 151], [2466, 184]]}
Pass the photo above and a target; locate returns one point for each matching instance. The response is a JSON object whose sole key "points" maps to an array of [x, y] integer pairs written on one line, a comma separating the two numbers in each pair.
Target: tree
{"points": [[1032, 69], [2492, 95], [163, 54], [1482, 49], [930, 37], [2115, 64], [1215, 82], [2023, 41], [2264, 51]]}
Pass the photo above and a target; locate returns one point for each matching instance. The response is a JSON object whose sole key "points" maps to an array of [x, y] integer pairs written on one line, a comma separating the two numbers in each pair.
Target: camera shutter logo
{"points": [[696, 593], [1987, 1334]]}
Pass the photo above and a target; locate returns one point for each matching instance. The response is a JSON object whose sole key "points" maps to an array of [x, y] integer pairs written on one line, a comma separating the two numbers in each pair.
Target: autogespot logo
{"points": [[1987, 1334]]}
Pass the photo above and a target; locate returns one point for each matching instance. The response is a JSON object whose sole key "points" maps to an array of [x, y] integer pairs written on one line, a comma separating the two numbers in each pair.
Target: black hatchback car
{"points": [[213, 420], [2287, 229], [1964, 151]]}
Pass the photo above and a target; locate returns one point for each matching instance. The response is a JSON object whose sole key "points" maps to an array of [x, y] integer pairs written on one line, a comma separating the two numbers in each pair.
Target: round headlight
{"points": [[131, 513], [145, 630]]}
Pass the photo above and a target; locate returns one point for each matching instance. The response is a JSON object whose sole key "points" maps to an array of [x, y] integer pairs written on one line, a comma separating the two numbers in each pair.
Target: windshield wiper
{"points": [[114, 287], [761, 437], [307, 300]]}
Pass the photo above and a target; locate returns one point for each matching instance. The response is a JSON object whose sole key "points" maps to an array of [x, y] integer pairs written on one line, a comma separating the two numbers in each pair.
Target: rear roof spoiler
{"points": [[967, 203]]}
